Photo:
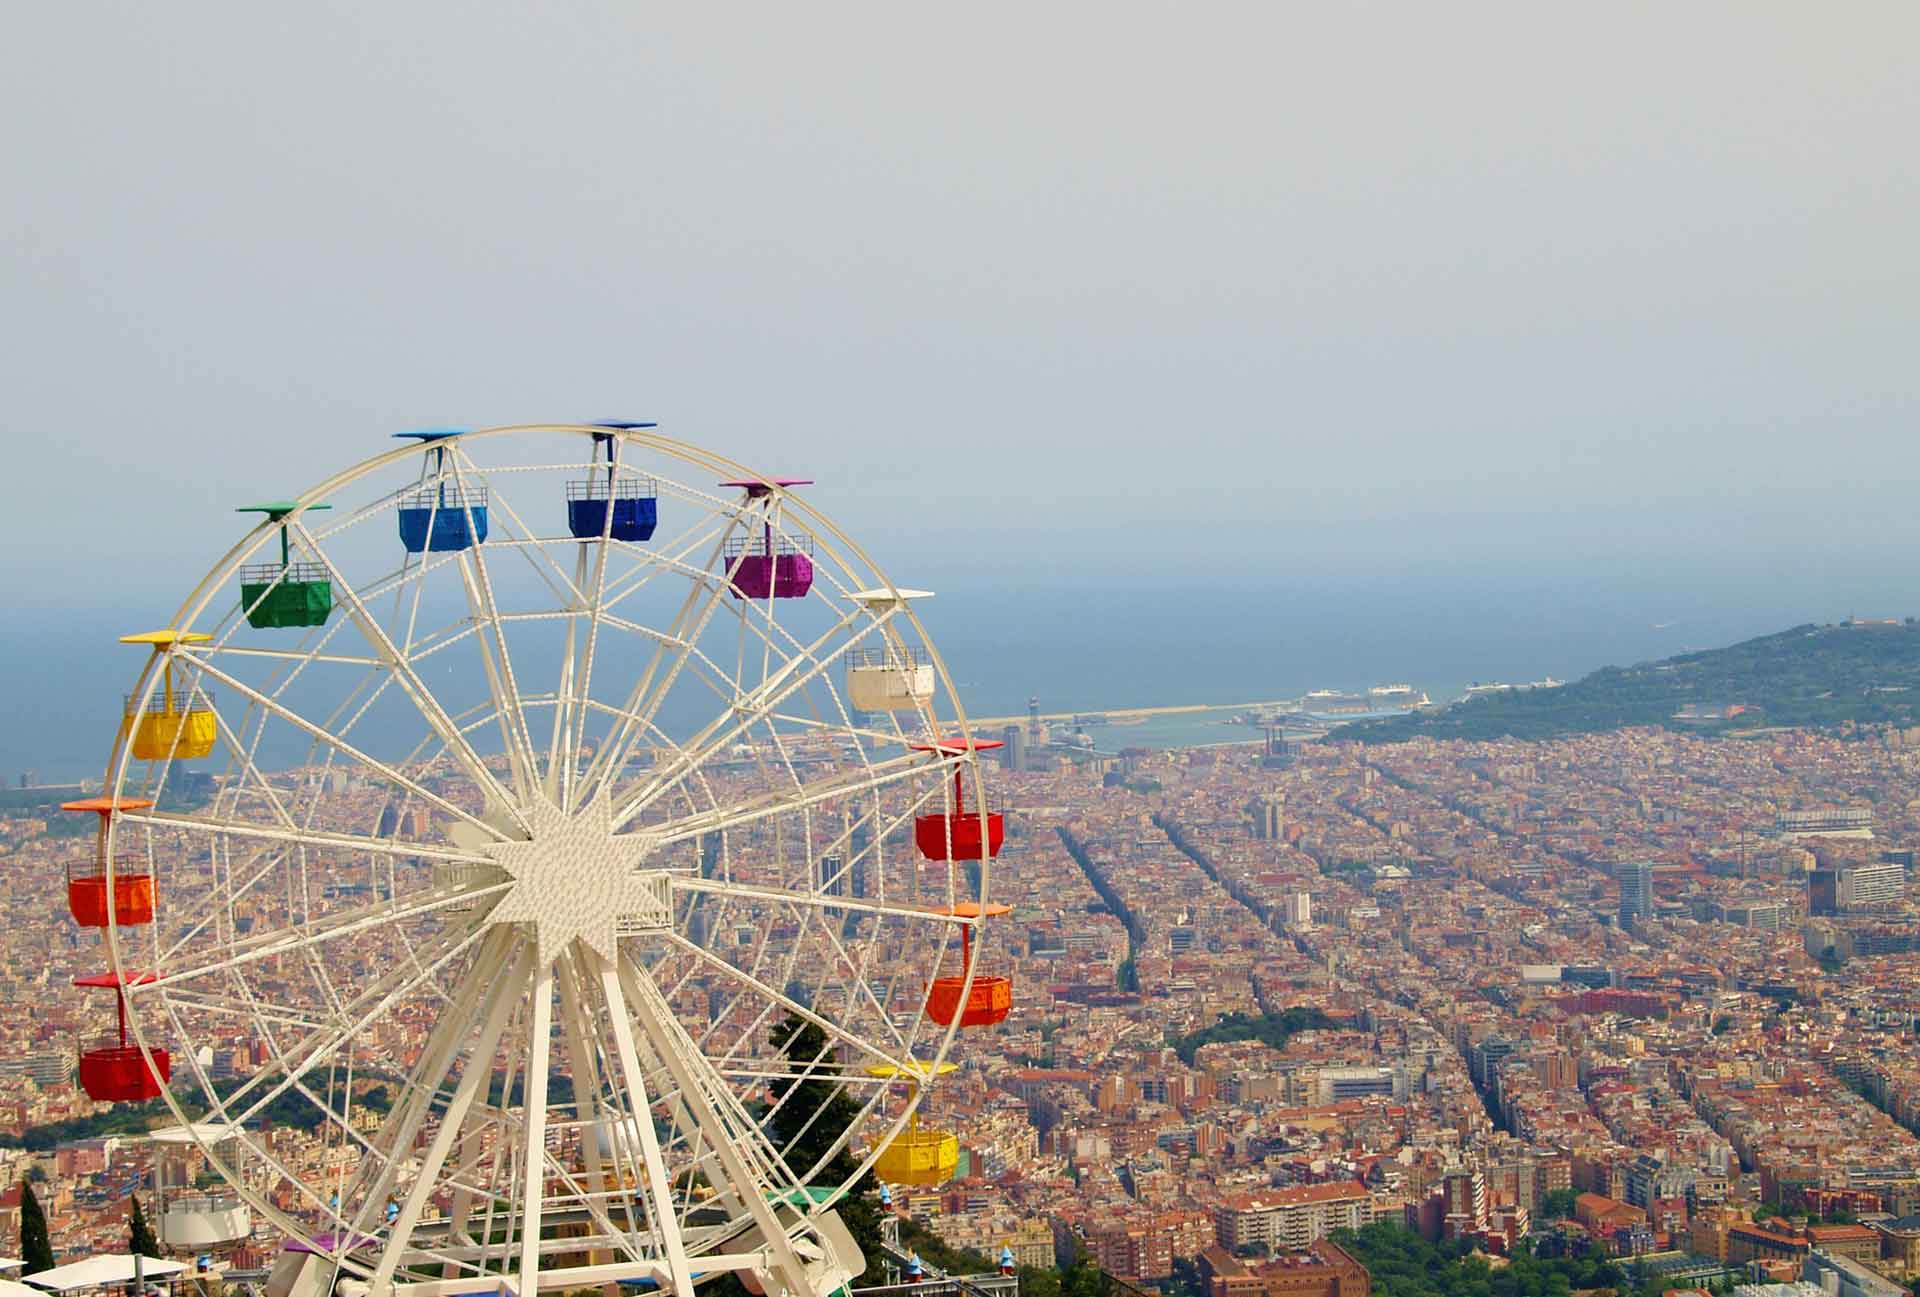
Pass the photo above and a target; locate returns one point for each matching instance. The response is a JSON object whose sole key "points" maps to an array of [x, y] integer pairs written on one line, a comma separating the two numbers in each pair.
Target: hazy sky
{"points": [[1080, 291]]}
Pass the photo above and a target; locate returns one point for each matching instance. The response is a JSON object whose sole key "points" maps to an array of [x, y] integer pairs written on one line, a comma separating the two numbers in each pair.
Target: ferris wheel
{"points": [[535, 858]]}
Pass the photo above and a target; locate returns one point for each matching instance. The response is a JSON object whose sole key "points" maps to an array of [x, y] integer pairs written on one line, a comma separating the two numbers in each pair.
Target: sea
{"points": [[62, 673]]}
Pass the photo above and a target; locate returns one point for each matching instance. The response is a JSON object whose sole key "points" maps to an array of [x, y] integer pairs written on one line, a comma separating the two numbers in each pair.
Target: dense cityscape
{"points": [[1645, 994]]}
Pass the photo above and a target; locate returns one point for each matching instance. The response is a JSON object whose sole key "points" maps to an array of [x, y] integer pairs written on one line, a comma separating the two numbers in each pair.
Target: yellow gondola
{"points": [[916, 1156], [173, 722]]}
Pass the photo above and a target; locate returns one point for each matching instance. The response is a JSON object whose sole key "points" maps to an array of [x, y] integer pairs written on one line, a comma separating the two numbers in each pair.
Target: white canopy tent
{"points": [[95, 1272], [11, 1288]]}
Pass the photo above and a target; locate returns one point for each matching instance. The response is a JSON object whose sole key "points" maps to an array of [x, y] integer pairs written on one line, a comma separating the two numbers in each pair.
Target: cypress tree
{"points": [[36, 1252], [814, 1116], [140, 1239]]}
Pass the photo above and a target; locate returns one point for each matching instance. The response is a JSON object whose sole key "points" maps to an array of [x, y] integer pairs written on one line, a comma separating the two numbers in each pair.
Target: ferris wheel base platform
{"points": [[830, 1259]]}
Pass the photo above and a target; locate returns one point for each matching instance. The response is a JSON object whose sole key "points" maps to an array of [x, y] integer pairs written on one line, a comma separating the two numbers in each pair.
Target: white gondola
{"points": [[190, 1219], [889, 676]]}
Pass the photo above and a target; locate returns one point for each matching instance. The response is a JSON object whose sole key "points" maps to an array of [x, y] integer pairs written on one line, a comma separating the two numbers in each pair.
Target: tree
{"points": [[140, 1239], [810, 1116], [1039, 1281], [1186, 1280], [36, 1252], [1083, 1278], [1557, 1205]]}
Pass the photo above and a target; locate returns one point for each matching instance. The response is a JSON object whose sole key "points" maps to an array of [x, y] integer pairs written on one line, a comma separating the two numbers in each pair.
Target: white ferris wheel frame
{"points": [[631, 1036]]}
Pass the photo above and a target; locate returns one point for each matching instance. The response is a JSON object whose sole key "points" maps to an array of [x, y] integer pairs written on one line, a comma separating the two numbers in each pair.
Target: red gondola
{"points": [[116, 1070], [962, 834]]}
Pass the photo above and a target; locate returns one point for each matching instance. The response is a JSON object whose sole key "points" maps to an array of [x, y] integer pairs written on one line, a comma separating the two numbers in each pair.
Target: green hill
{"points": [[1861, 672]]}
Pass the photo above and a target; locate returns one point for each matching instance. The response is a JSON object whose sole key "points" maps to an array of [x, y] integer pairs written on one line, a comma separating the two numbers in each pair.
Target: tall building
{"points": [[1483, 1058], [1280, 751], [861, 850], [1268, 820], [1292, 1217], [1844, 888], [1013, 752], [50, 1067], [1466, 1196], [1636, 890], [1866, 887], [1296, 910], [833, 875]]}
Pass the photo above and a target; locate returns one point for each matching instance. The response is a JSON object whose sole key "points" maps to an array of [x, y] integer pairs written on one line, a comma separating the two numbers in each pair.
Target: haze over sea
{"points": [[1086, 647]]}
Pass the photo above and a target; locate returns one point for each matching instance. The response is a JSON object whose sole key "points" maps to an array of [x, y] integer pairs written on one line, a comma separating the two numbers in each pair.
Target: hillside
{"points": [[1861, 672]]}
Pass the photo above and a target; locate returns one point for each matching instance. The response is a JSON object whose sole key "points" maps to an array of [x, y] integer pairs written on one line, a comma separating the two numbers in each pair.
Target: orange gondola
{"points": [[133, 890], [990, 998]]}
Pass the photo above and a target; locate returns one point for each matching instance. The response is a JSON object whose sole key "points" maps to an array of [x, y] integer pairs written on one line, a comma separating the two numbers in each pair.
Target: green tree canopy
{"points": [[810, 1115]]}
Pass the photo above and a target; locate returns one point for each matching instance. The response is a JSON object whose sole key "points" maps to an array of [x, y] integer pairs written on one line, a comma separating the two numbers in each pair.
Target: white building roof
{"points": [[98, 1272]]}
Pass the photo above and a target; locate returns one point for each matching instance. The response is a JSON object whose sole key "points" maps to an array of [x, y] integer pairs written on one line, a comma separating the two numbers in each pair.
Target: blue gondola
{"points": [[634, 500], [442, 515]]}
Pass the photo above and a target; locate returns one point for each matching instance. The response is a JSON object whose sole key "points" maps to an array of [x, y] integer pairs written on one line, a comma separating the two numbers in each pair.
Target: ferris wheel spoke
{"points": [[534, 1136], [311, 1051], [499, 999], [316, 839], [246, 1008], [801, 901], [644, 699], [866, 779], [289, 655], [599, 609], [251, 950], [662, 1219], [339, 744], [750, 709], [529, 543], [266, 1157], [787, 1002], [498, 668], [484, 608], [590, 1106], [628, 990], [416, 690], [813, 1072], [559, 778]]}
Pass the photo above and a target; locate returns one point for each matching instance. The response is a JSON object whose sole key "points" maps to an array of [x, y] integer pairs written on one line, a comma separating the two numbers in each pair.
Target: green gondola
{"points": [[277, 595]]}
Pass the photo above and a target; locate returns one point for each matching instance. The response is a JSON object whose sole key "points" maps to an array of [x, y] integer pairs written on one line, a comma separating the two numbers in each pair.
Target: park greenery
{"points": [[1813, 676], [1274, 1029], [1556, 1204], [1405, 1265], [288, 1109]]}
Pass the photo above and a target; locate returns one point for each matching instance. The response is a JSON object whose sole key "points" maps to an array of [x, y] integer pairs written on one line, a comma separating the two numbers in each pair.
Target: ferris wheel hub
{"points": [[575, 878]]}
